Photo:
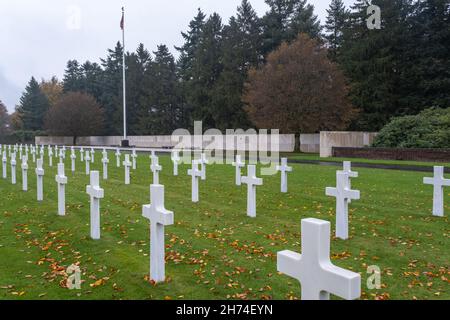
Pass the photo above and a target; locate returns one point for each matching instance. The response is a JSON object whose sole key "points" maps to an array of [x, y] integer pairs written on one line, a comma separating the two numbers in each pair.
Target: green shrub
{"points": [[429, 129]]}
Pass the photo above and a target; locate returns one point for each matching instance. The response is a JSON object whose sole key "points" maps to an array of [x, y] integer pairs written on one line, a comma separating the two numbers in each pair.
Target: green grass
{"points": [[316, 157], [214, 251]]}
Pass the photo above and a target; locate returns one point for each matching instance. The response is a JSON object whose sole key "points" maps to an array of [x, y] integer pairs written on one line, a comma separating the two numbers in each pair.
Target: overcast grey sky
{"points": [[38, 37]]}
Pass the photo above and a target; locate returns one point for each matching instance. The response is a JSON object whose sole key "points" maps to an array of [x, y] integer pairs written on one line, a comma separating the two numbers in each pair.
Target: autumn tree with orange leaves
{"points": [[298, 90]]}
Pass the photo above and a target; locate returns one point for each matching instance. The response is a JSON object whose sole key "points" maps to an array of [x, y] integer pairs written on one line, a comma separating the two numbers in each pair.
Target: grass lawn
{"points": [[214, 251], [316, 157]]}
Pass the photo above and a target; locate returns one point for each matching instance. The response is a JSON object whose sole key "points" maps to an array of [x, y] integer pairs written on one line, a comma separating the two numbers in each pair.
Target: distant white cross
{"points": [[342, 193], [313, 268], [24, 174], [105, 162], [61, 181], [73, 157], [203, 162], [133, 159], [284, 168], [87, 161], [350, 174], [81, 154], [238, 164], [40, 179], [92, 155], [438, 182], [13, 167], [127, 166], [5, 163], [118, 157], [175, 157], [251, 181], [96, 193], [50, 156], [159, 217], [195, 174], [155, 168]]}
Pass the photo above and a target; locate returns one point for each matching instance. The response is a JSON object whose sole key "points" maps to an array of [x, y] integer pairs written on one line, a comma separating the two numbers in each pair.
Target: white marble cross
{"points": [[87, 161], [105, 162], [118, 157], [24, 174], [13, 167], [195, 174], [96, 193], [342, 193], [127, 165], [42, 153], [50, 156], [73, 157], [238, 164], [251, 181], [92, 155], [5, 163], [156, 168], [284, 168], [82, 154], [33, 153], [203, 162], [313, 268], [438, 182], [159, 218], [61, 181], [175, 157], [133, 159], [351, 174], [40, 180]]}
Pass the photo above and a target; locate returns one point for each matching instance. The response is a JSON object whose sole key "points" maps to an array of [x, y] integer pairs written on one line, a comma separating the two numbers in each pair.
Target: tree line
{"points": [[282, 70]]}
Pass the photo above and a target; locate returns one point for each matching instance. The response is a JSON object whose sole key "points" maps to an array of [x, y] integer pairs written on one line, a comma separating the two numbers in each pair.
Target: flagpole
{"points": [[125, 142]]}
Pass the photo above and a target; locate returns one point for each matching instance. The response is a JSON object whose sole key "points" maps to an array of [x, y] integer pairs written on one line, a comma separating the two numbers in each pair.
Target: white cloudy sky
{"points": [[38, 37]]}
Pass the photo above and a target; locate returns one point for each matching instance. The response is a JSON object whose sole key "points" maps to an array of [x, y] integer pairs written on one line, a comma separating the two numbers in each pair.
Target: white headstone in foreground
{"points": [[87, 160], [40, 180], [313, 268], [105, 162], [13, 167], [127, 165], [342, 193], [156, 168], [238, 164], [5, 164], [175, 157], [24, 174], [61, 180], [96, 193], [251, 181], [195, 174], [284, 168], [438, 182], [159, 217]]}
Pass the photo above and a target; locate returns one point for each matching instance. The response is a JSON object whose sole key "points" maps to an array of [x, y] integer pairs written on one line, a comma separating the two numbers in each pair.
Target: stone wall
{"points": [[310, 143], [330, 139], [438, 155], [286, 143]]}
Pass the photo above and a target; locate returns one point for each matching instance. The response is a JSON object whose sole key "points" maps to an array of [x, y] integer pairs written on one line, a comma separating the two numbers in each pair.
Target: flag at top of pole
{"points": [[122, 26]]}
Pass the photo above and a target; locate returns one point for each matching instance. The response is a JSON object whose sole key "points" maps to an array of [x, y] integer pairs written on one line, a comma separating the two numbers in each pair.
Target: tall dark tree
{"points": [[112, 93], [206, 69], [337, 15], [33, 106], [4, 121], [162, 113], [92, 79], [73, 77], [304, 20], [241, 50]]}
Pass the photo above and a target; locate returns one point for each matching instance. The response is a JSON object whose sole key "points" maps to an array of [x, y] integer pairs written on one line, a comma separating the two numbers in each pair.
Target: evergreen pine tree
{"points": [[337, 15], [33, 106]]}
